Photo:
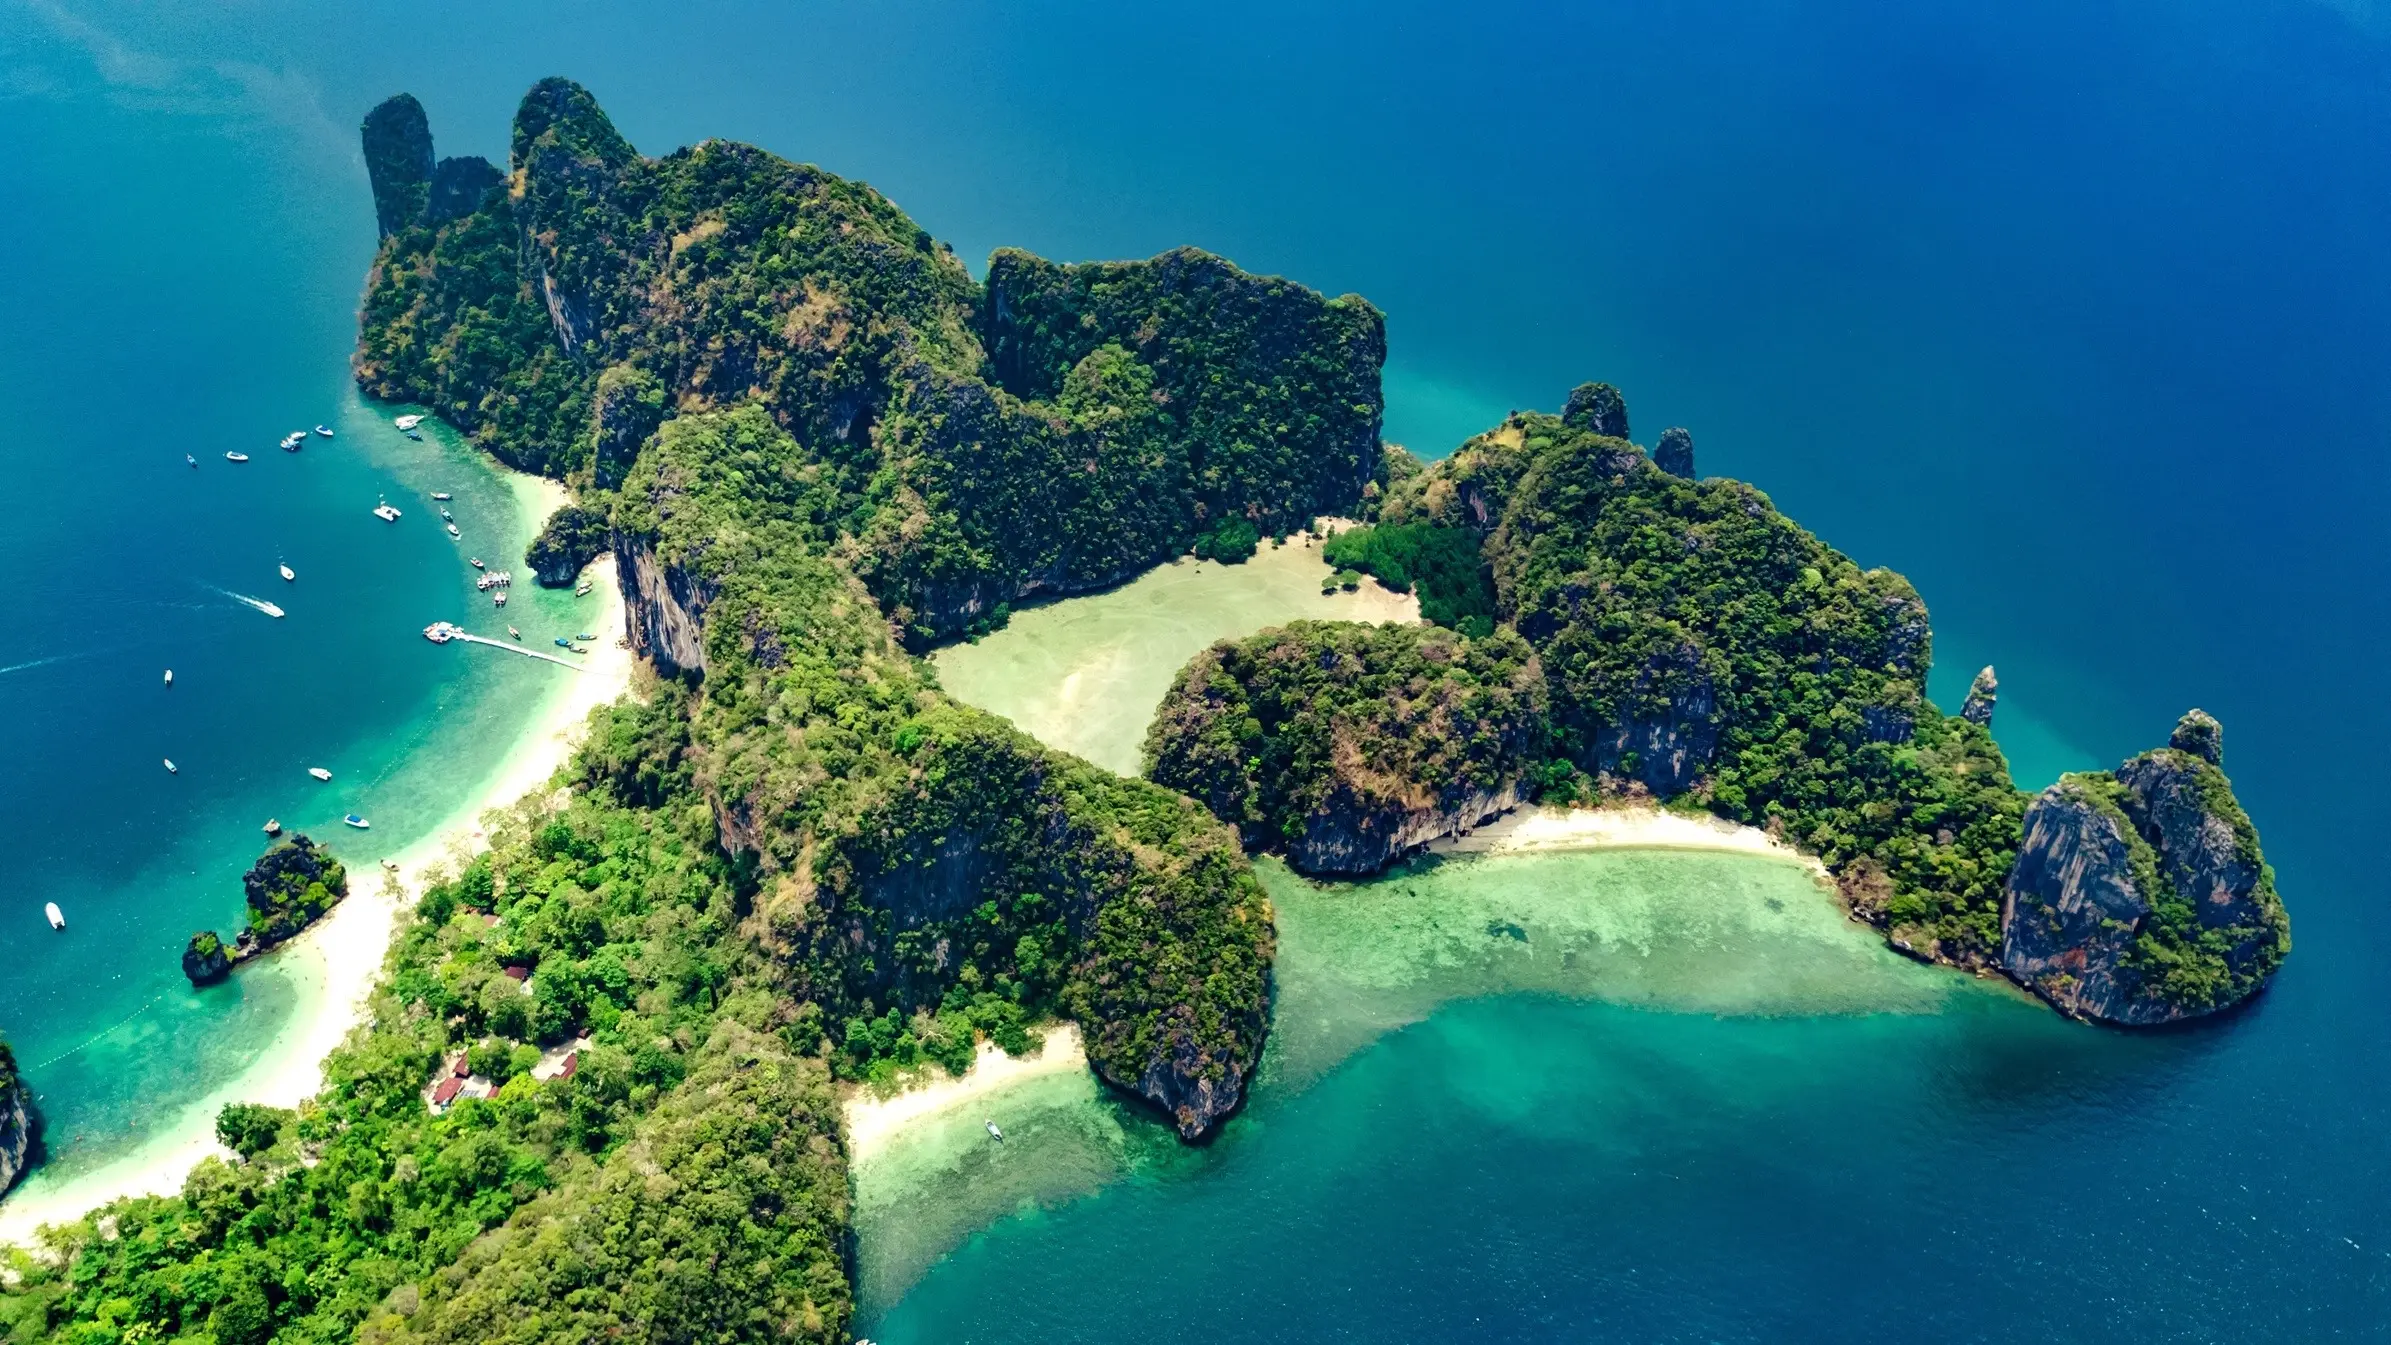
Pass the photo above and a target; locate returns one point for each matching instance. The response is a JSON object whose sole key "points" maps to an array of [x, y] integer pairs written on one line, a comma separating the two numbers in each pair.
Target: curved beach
{"points": [[335, 964]]}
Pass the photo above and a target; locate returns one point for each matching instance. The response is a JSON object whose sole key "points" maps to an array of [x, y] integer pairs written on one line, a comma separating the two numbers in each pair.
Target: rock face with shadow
{"points": [[2141, 896]]}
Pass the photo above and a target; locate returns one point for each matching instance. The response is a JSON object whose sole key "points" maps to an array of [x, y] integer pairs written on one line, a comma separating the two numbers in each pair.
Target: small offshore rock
{"points": [[205, 959], [1675, 452], [1983, 694]]}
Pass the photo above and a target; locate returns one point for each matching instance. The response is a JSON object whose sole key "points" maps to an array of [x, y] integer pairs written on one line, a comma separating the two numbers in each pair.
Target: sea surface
{"points": [[2076, 313]]}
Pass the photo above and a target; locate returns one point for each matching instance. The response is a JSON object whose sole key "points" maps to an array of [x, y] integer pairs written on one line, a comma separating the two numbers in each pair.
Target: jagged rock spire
{"points": [[1977, 709]]}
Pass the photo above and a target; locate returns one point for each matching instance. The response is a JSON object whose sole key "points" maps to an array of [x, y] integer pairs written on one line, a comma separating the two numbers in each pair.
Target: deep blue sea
{"points": [[2076, 312]]}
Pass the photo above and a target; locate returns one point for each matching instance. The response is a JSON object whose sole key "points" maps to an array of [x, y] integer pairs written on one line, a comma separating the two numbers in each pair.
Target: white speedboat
{"points": [[408, 422], [355, 821], [236, 457], [291, 441], [442, 495], [324, 430], [995, 1133], [171, 768], [452, 531], [515, 633], [57, 917], [319, 772], [170, 677], [270, 609], [288, 574], [189, 459]]}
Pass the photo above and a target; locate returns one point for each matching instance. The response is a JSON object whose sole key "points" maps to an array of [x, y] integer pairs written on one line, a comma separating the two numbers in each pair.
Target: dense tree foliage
{"points": [[1442, 564], [1697, 642], [1057, 430], [1301, 733]]}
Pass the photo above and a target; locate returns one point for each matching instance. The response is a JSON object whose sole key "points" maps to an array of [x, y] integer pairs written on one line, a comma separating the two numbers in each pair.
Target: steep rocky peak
{"points": [[398, 160], [560, 113], [1598, 407], [2199, 733]]}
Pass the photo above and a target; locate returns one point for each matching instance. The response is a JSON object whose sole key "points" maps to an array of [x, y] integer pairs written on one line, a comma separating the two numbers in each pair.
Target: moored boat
{"points": [[170, 677], [452, 531], [57, 917], [288, 574], [355, 821], [292, 441], [319, 772], [236, 457], [408, 422], [476, 563], [385, 512], [515, 633], [324, 430], [171, 768], [189, 459], [273, 827], [442, 495], [498, 599]]}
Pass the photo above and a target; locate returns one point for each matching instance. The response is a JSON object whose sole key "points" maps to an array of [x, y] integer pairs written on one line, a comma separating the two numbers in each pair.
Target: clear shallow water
{"points": [[2076, 314], [179, 299], [1085, 674]]}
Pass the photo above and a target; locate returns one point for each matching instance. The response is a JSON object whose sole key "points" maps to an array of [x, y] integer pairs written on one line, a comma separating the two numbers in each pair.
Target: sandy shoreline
{"points": [[336, 962], [874, 1122], [1632, 827]]}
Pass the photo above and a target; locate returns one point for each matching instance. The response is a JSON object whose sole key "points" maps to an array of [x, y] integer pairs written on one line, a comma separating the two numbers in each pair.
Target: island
{"points": [[1693, 646], [290, 887], [815, 447]]}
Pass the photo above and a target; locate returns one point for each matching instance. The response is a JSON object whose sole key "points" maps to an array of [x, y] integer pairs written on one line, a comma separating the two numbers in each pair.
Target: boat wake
{"points": [[259, 603]]}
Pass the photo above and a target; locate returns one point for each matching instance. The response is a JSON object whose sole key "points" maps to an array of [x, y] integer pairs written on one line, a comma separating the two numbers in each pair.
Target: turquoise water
{"points": [[2074, 312], [180, 296]]}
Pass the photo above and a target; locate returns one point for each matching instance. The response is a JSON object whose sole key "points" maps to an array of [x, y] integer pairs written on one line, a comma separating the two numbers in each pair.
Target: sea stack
{"points": [[205, 959], [2141, 896], [1983, 694], [1674, 453]]}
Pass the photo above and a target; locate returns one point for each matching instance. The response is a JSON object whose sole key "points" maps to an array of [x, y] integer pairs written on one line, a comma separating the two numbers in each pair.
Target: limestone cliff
{"points": [[16, 1120], [398, 161], [1674, 453], [2141, 897]]}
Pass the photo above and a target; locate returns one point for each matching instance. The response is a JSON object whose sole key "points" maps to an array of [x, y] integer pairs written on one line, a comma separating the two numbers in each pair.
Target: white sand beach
{"points": [[335, 963], [874, 1121], [1634, 826]]}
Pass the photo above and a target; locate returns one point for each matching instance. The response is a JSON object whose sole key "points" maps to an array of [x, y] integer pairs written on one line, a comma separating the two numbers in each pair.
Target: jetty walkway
{"points": [[447, 632]]}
